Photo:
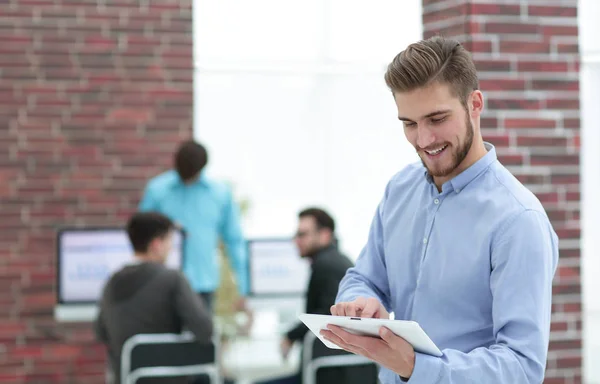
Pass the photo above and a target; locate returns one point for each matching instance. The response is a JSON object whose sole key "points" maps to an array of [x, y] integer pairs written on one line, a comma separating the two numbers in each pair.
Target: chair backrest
{"points": [[153, 355], [315, 355]]}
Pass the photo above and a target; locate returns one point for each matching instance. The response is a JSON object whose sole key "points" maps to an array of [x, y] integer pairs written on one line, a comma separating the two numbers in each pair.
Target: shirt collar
{"points": [[201, 180], [465, 177], [326, 249]]}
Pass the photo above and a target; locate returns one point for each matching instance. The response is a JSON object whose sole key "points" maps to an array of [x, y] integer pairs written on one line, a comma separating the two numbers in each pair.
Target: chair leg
{"points": [[309, 375]]}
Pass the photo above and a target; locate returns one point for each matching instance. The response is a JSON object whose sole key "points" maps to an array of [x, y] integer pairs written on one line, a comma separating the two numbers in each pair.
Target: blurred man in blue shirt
{"points": [[457, 243], [207, 212]]}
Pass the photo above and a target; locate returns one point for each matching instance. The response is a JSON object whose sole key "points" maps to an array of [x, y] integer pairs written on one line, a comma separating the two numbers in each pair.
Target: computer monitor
{"points": [[86, 258], [276, 268]]}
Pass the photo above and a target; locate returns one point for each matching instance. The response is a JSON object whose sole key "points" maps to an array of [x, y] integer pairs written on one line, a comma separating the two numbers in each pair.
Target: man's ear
{"points": [[153, 244], [475, 103], [326, 236]]}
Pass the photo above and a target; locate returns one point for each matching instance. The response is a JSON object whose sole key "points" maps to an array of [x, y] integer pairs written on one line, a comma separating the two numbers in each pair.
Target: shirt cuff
{"points": [[427, 369]]}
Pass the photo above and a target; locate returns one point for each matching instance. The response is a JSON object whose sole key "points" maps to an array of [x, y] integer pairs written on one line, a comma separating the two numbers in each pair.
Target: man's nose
{"points": [[424, 137]]}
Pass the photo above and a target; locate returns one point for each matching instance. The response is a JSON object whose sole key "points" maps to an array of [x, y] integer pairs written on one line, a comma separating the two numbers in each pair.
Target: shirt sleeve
{"points": [[235, 244], [100, 328], [322, 290], [148, 201], [523, 259], [368, 278], [99, 325], [192, 312]]}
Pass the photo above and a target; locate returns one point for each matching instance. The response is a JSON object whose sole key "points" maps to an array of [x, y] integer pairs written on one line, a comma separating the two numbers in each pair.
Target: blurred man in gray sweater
{"points": [[148, 297]]}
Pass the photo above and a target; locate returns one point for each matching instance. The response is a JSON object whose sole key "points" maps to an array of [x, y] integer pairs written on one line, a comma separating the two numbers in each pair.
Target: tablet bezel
{"points": [[411, 331]]}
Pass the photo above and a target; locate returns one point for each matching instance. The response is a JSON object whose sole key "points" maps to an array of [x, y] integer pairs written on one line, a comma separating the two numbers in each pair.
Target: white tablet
{"points": [[410, 331]]}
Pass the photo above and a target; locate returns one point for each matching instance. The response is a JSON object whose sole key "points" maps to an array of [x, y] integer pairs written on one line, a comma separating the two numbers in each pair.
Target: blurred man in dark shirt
{"points": [[315, 239]]}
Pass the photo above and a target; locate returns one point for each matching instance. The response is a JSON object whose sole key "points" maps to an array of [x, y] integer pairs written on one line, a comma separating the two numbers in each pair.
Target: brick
{"points": [[498, 140], [573, 196], [502, 85], [559, 326], [489, 122], [511, 159], [479, 46], [555, 85], [100, 43], [541, 141], [569, 362], [571, 48], [492, 65], [565, 345], [62, 351], [23, 352], [559, 30], [176, 52], [494, 9], [572, 123], [568, 233], [160, 6], [568, 272], [543, 66], [526, 47], [511, 28], [570, 253], [135, 115], [568, 104], [532, 179], [548, 197], [552, 11], [529, 123], [513, 103], [557, 215]]}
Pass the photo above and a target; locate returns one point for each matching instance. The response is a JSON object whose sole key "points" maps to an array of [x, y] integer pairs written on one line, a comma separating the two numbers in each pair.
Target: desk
{"points": [[257, 357], [75, 313], [249, 360]]}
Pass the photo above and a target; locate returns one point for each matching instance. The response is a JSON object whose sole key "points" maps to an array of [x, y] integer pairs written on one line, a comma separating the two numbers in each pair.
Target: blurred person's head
{"points": [[315, 231], [151, 235], [435, 86], [190, 159]]}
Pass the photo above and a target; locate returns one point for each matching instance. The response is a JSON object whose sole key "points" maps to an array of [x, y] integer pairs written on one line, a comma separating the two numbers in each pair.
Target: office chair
{"points": [[168, 355], [315, 355]]}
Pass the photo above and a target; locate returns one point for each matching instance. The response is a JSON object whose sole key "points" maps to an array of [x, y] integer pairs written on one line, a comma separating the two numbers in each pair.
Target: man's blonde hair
{"points": [[433, 60]]}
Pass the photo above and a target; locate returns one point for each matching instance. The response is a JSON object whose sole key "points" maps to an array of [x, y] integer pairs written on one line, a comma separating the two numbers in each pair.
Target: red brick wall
{"points": [[527, 56], [94, 97]]}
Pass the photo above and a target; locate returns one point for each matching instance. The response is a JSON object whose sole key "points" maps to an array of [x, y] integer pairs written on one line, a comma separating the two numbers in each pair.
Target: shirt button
{"points": [[457, 190], [436, 201], [425, 240]]}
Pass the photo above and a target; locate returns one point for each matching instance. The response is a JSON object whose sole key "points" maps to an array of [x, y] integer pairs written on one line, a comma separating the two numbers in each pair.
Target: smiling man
{"points": [[457, 243]]}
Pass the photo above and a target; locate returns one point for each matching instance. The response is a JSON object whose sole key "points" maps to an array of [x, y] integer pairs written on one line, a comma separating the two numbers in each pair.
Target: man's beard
{"points": [[312, 251], [458, 154]]}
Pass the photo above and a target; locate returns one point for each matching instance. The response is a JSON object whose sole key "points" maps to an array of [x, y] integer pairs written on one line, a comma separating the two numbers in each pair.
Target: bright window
{"points": [[291, 103]]}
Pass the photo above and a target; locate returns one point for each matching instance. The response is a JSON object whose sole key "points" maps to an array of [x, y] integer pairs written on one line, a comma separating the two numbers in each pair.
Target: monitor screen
{"points": [[276, 268], [88, 257]]}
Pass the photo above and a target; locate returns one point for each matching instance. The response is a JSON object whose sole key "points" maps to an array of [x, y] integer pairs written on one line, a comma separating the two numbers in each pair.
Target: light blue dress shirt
{"points": [[206, 210], [473, 265]]}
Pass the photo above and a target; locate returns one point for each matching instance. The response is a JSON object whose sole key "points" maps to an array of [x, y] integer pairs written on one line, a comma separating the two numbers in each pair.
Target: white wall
{"points": [[589, 11], [291, 103]]}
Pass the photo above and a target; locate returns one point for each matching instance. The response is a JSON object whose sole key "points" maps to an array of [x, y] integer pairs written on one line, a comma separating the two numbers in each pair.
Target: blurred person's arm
{"points": [[323, 288], [235, 244], [99, 326], [190, 308], [148, 201]]}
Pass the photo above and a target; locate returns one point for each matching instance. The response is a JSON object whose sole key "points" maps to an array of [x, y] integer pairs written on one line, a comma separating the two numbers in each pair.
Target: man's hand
{"points": [[391, 351], [361, 307], [285, 347], [240, 305]]}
